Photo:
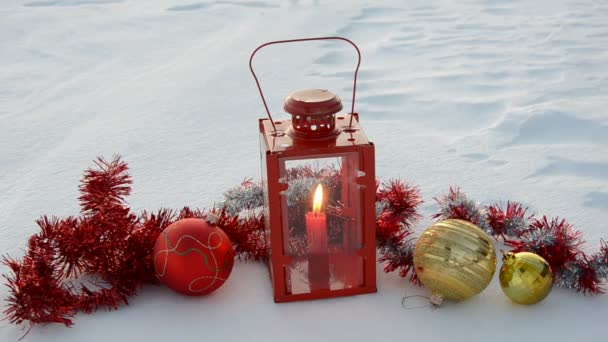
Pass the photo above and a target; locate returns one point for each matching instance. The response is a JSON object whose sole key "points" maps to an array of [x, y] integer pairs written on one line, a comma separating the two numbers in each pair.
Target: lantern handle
{"points": [[257, 82]]}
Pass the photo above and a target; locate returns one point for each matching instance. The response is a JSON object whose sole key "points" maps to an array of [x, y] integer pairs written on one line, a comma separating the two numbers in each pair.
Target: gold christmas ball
{"points": [[525, 278], [455, 259]]}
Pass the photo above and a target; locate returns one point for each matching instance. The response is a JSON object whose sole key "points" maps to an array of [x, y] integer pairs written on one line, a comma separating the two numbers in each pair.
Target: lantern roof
{"points": [[312, 102]]}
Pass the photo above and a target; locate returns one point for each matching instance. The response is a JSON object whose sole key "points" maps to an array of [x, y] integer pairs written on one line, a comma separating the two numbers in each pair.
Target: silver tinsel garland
{"points": [[537, 238], [568, 277], [456, 198], [249, 196], [516, 226], [571, 275], [300, 189], [381, 206]]}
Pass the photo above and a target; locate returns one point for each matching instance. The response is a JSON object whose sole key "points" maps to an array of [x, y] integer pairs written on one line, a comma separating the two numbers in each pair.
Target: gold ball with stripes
{"points": [[455, 259]]}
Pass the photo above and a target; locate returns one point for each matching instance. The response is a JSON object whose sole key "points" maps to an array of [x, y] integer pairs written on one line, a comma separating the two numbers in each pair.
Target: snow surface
{"points": [[506, 99]]}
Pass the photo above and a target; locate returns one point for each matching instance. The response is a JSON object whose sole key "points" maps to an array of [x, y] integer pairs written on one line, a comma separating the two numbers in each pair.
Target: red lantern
{"points": [[319, 185]]}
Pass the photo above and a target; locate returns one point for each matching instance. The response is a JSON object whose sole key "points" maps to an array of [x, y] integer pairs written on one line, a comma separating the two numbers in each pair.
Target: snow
{"points": [[506, 99]]}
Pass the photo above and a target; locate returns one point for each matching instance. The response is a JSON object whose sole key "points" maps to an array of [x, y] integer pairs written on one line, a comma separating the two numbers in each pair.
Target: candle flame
{"points": [[318, 199]]}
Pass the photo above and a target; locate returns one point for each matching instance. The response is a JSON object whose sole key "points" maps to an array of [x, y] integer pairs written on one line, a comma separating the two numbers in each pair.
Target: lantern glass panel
{"points": [[322, 240]]}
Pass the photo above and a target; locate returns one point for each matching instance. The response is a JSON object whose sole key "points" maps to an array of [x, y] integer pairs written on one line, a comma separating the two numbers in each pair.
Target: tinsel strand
{"points": [[396, 212], [456, 205], [553, 239], [109, 241]]}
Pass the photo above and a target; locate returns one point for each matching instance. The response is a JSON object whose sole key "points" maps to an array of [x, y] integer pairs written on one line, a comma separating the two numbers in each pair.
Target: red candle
{"points": [[316, 225], [316, 233]]}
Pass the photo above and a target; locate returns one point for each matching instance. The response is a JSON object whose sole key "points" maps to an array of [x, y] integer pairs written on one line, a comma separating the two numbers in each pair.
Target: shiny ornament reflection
{"points": [[455, 259], [526, 278]]}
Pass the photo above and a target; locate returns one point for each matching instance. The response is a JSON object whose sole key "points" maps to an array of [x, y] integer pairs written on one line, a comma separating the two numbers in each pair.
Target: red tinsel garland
{"points": [[397, 204], [112, 244], [565, 249], [106, 241]]}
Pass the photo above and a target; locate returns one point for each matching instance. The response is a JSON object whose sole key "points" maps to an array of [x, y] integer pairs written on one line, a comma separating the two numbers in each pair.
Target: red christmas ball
{"points": [[193, 257]]}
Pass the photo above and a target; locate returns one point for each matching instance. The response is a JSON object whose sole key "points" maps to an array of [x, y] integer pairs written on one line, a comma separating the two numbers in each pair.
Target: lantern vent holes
{"points": [[312, 126]]}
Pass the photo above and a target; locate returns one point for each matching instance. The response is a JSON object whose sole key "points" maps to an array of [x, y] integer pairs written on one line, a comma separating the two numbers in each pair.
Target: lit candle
{"points": [[316, 225], [316, 233]]}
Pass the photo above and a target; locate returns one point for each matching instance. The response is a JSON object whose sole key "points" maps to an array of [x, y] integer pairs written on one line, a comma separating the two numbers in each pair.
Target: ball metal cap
{"points": [[312, 102]]}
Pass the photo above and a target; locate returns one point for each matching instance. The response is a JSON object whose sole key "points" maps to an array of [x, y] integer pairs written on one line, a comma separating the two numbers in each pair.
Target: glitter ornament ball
{"points": [[193, 257], [455, 259], [525, 278]]}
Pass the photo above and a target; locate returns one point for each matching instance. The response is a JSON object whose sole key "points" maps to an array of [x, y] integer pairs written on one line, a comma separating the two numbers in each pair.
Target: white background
{"points": [[506, 99]]}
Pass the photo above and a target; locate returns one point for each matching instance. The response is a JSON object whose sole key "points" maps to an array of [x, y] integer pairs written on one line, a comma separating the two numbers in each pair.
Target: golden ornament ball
{"points": [[526, 278], [455, 259]]}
